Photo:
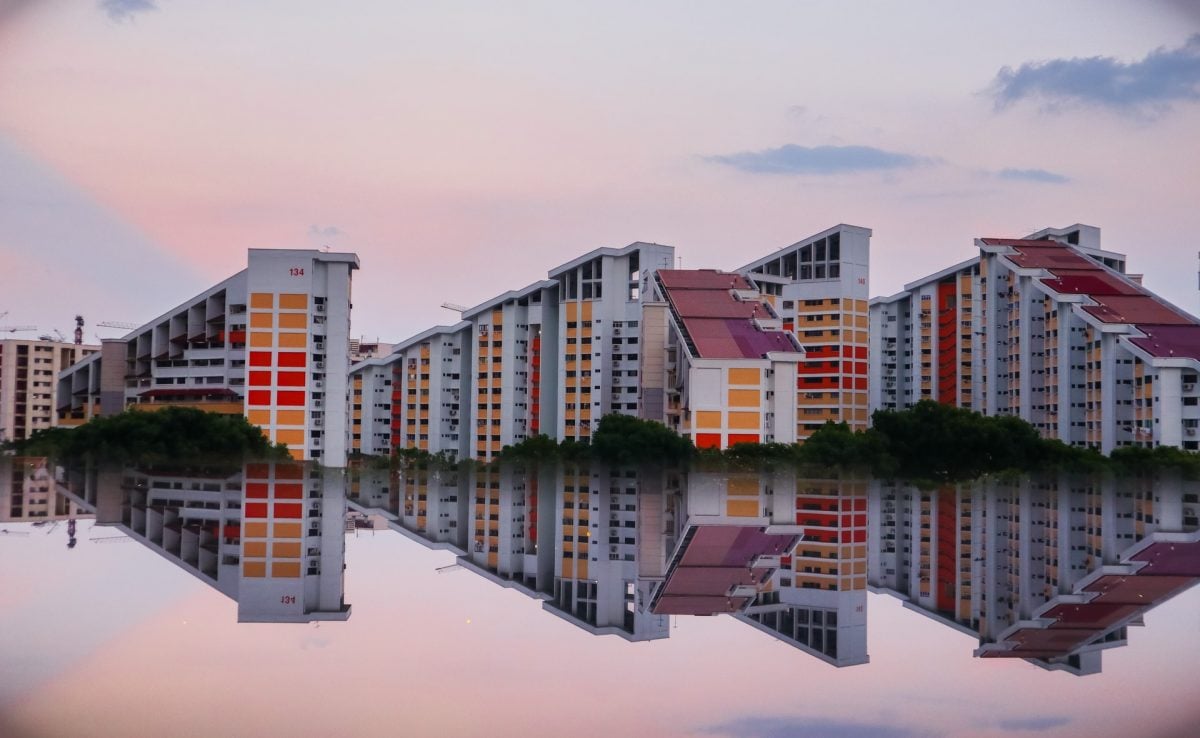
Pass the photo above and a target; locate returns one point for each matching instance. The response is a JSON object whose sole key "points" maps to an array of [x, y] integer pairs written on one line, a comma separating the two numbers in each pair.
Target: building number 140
{"points": [[296, 271]]}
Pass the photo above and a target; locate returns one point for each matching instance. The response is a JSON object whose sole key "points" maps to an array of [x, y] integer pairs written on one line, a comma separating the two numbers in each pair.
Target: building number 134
{"points": [[296, 271]]}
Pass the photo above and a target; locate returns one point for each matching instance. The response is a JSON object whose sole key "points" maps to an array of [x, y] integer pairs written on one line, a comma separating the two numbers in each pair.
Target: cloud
{"points": [[800, 727], [822, 160], [1033, 724], [1163, 77], [121, 10], [328, 231], [1033, 175]]}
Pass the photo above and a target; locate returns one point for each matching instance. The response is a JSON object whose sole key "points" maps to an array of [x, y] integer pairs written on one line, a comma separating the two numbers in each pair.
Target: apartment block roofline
{"points": [[425, 335], [938, 276], [204, 294], [330, 256], [779, 252], [510, 295], [603, 251]]}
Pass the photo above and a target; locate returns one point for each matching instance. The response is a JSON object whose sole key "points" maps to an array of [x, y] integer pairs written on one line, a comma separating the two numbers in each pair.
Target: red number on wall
{"points": [[288, 599], [296, 271]]}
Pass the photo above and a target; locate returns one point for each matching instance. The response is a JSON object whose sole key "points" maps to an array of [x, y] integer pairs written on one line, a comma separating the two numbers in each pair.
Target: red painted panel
{"points": [[289, 471], [289, 510], [860, 367], [860, 352], [289, 398], [291, 379], [289, 491], [256, 490], [258, 379], [708, 440], [258, 471], [255, 510], [860, 383], [260, 358], [743, 438], [258, 397], [292, 358], [847, 383]]}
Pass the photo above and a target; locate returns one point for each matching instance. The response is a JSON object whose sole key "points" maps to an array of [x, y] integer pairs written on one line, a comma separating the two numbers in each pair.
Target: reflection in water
{"points": [[271, 537], [1051, 570]]}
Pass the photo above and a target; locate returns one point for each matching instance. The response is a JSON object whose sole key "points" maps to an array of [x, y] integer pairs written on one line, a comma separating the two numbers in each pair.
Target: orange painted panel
{"points": [[744, 420], [293, 320], [293, 340], [289, 397], [260, 358], [291, 379], [742, 508], [262, 339], [254, 549], [287, 530], [259, 417], [743, 398], [254, 568], [262, 300], [285, 569], [258, 378], [289, 417], [293, 301], [262, 320], [286, 549], [292, 358], [708, 418], [289, 437], [254, 530], [258, 397], [745, 375]]}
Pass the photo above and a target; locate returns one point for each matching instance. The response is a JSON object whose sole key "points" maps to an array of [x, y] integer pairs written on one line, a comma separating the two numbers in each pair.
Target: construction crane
{"points": [[17, 328], [78, 330], [54, 335], [116, 324], [455, 307]]}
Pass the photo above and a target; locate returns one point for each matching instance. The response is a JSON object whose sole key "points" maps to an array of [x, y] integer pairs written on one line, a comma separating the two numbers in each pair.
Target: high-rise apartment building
{"points": [[28, 493], [819, 287], [1048, 328], [271, 342], [29, 383]]}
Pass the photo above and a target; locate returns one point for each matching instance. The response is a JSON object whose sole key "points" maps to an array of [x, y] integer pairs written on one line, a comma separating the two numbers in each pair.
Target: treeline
{"points": [[173, 436], [928, 441]]}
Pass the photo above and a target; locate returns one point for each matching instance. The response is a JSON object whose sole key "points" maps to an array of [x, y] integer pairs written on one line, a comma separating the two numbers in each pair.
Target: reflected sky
{"points": [[116, 639]]}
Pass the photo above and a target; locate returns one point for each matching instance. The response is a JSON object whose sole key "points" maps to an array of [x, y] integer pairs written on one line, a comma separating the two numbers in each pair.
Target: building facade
{"points": [[29, 383], [1048, 328], [271, 343]]}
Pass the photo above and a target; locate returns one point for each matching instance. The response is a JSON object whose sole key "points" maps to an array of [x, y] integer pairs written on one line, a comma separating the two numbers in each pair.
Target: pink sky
{"points": [[462, 150]]}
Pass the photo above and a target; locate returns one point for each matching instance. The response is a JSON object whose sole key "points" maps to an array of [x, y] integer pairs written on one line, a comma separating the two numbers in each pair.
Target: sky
{"points": [[464, 149]]}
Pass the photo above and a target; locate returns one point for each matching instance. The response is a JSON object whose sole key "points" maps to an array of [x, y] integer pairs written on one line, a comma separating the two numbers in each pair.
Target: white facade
{"points": [[29, 383]]}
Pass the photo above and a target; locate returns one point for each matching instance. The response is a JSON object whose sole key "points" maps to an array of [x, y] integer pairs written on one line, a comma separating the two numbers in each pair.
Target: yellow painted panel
{"points": [[293, 320], [259, 417], [743, 420], [261, 320], [581, 565], [286, 550], [262, 300], [254, 568], [289, 417], [745, 375], [290, 437], [742, 486], [743, 398], [572, 311], [254, 530], [742, 508], [293, 301], [255, 549], [285, 569], [708, 418], [259, 339], [285, 530], [585, 311], [293, 340]]}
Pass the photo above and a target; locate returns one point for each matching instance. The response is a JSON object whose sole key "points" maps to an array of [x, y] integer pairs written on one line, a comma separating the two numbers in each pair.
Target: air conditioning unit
{"points": [[320, 365], [1190, 431], [320, 307]]}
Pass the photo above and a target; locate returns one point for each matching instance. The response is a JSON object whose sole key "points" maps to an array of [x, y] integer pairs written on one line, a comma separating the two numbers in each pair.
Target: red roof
{"points": [[1165, 341], [1017, 242], [1049, 255], [1135, 309], [1088, 282], [718, 324]]}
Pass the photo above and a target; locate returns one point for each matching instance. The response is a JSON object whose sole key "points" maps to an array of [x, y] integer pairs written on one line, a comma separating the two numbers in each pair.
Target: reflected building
{"points": [[28, 493], [1053, 571], [271, 537]]}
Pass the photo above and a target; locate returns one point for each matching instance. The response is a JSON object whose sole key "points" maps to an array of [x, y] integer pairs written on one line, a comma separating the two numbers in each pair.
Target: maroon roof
{"points": [[1143, 591], [1164, 341], [190, 392], [1088, 282], [1169, 557], [1016, 242], [1135, 309], [719, 325], [1044, 256]]}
